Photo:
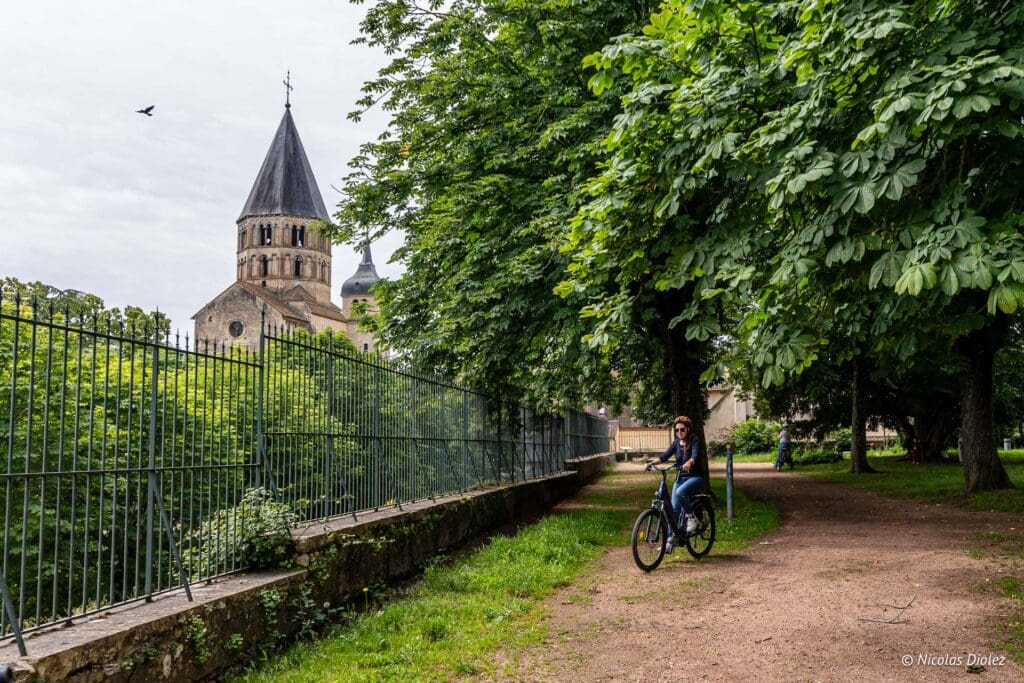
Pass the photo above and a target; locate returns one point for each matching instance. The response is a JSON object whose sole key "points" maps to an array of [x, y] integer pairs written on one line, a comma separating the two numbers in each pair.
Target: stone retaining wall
{"points": [[235, 617]]}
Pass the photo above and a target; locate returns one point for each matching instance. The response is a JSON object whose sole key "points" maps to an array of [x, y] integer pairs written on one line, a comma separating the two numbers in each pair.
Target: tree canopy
{"points": [[493, 133], [827, 186]]}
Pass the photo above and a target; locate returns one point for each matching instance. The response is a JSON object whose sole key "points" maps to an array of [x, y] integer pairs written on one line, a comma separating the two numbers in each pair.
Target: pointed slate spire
{"points": [[365, 277], [285, 184]]}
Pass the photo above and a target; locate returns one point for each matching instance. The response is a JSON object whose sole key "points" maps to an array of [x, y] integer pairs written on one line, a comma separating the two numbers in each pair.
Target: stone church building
{"points": [[283, 266]]}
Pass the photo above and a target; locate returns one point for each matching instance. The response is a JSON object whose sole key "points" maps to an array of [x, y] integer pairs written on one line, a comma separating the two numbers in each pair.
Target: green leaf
{"points": [[887, 270], [950, 281], [916, 278], [1003, 299], [600, 82], [1008, 128], [861, 198], [1014, 272]]}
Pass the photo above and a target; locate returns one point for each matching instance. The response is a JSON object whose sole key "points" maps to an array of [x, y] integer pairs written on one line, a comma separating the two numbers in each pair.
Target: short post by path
{"points": [[728, 480]]}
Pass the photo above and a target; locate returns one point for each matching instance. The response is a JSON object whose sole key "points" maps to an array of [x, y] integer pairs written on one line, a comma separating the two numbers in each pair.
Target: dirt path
{"points": [[793, 608]]}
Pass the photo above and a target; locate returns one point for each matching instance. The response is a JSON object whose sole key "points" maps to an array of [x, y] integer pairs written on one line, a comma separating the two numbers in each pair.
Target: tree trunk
{"points": [[983, 471], [907, 433], [684, 363], [858, 424], [931, 434]]}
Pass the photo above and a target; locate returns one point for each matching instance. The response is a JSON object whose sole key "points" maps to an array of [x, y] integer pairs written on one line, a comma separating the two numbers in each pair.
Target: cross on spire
{"points": [[288, 89]]}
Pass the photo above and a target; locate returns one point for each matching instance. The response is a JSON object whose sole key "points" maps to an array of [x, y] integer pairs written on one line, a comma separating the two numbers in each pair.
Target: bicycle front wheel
{"points": [[700, 541], [650, 532]]}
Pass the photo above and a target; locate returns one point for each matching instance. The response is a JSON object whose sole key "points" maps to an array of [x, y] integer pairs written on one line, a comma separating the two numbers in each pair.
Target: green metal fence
{"points": [[128, 458]]}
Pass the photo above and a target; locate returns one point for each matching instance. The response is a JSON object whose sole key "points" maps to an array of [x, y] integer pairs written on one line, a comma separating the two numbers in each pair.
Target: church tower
{"points": [[282, 264], [277, 249], [356, 290]]}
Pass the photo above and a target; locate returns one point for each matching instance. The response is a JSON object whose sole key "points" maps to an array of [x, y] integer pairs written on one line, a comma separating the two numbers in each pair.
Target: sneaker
{"points": [[691, 524], [670, 544]]}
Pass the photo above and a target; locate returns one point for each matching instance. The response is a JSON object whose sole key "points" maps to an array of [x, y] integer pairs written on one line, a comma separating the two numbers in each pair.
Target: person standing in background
{"points": [[784, 452]]}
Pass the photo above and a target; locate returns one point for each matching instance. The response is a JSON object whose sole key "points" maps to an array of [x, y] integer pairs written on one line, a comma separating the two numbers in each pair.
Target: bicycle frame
{"points": [[654, 526], [663, 500]]}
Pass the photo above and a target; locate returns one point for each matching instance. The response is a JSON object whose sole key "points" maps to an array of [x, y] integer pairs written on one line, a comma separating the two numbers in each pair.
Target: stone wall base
{"points": [[235, 617]]}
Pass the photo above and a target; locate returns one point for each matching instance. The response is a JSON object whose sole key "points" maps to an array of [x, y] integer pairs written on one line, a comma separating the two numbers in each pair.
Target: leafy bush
{"points": [[841, 438], [258, 529], [753, 436], [716, 449], [813, 457]]}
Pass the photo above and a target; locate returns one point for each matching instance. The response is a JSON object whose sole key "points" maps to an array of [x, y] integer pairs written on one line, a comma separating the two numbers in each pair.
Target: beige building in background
{"points": [[725, 410], [283, 265]]}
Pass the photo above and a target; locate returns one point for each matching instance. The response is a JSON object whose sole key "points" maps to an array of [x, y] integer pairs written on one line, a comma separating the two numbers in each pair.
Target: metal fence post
{"points": [[568, 438], [9, 609], [499, 460], [378, 443], [261, 439], [330, 483], [728, 480], [465, 430], [415, 439], [459, 472], [154, 499], [151, 476]]}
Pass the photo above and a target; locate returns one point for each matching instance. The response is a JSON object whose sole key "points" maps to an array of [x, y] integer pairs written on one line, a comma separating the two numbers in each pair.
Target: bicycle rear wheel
{"points": [[650, 532], [699, 542]]}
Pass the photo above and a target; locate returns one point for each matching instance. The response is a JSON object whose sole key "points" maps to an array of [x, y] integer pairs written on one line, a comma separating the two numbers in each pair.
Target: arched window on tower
{"points": [[264, 266], [298, 236], [266, 234], [241, 239], [298, 266]]}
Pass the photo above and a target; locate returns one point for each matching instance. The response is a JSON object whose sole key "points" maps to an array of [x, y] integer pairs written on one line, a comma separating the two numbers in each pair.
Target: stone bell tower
{"points": [[282, 264], [277, 249]]}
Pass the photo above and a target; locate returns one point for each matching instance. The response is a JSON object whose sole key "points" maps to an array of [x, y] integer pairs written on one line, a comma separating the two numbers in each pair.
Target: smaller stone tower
{"points": [[357, 289]]}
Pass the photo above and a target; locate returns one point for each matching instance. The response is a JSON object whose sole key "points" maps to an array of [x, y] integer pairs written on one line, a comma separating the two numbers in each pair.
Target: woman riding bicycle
{"points": [[686, 449]]}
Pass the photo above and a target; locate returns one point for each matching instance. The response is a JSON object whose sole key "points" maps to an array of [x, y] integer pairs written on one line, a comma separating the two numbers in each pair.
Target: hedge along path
{"points": [[810, 602]]}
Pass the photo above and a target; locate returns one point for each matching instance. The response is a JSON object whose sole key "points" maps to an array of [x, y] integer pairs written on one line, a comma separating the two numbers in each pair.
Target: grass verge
{"points": [[1013, 588], [452, 622], [930, 482]]}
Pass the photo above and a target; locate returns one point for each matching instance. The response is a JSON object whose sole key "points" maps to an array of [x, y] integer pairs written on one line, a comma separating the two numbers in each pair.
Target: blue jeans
{"points": [[783, 456], [681, 493]]}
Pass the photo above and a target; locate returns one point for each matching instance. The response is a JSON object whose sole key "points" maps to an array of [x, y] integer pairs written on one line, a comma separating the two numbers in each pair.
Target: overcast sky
{"points": [[141, 211]]}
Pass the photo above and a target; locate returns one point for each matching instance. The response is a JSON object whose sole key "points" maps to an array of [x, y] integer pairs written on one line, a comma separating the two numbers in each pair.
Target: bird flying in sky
{"points": [[148, 111]]}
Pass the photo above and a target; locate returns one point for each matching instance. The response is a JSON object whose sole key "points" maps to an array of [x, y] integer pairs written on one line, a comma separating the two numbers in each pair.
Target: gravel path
{"points": [[807, 604]]}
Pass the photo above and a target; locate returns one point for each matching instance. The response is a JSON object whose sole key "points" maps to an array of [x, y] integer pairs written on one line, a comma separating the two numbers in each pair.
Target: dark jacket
{"points": [[682, 455]]}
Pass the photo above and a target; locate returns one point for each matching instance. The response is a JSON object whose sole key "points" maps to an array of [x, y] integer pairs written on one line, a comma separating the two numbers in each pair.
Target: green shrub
{"points": [[813, 457], [257, 529], [841, 438], [716, 449], [753, 436]]}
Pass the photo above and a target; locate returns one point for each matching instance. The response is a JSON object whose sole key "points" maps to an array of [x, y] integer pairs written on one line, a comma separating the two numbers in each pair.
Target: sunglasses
{"points": [[681, 429]]}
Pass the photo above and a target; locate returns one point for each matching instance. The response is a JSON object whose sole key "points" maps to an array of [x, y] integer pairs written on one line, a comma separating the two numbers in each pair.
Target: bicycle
{"points": [[785, 456], [650, 539]]}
